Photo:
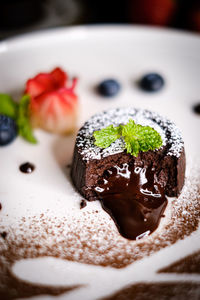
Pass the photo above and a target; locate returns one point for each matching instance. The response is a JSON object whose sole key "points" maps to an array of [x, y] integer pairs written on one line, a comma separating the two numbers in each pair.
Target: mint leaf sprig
{"points": [[136, 137], [20, 113], [7, 106], [23, 122], [106, 136]]}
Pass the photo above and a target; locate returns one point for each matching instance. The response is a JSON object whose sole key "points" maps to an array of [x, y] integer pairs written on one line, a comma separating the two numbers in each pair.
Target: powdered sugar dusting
{"points": [[90, 236], [170, 134]]}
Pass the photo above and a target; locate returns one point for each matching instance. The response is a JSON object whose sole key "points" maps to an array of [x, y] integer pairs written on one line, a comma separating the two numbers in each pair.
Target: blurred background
{"points": [[21, 16]]}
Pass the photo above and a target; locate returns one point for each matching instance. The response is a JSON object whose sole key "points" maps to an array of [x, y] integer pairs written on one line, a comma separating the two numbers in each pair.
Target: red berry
{"points": [[53, 106], [46, 82], [59, 76]]}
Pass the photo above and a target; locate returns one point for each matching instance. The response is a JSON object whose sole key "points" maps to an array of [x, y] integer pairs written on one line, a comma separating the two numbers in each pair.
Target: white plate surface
{"points": [[92, 54]]}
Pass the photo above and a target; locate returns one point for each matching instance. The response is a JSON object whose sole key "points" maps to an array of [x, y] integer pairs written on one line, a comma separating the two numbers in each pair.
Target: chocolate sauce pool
{"points": [[133, 199], [27, 168]]}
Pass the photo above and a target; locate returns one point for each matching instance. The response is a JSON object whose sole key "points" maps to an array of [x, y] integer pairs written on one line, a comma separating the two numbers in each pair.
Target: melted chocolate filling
{"points": [[133, 199], [27, 168]]}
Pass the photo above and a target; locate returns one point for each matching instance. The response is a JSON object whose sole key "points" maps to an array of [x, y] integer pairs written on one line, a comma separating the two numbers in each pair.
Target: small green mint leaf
{"points": [[128, 129], [148, 138], [136, 137], [23, 123], [132, 145], [106, 136], [140, 138], [7, 106]]}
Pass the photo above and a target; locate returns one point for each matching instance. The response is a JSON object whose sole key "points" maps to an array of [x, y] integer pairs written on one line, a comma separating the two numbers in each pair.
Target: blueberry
{"points": [[152, 82], [8, 130], [196, 108], [109, 87]]}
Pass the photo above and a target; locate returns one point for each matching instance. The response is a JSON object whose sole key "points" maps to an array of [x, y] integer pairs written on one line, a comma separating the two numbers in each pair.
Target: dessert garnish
{"points": [[109, 87], [18, 113], [53, 106], [27, 168], [136, 137], [151, 82], [196, 108], [23, 120], [47, 103], [8, 130], [8, 107]]}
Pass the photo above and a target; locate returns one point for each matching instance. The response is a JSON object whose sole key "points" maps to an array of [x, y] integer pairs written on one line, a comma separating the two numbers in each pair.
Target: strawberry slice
{"points": [[36, 87], [54, 111], [59, 77], [46, 82], [53, 106]]}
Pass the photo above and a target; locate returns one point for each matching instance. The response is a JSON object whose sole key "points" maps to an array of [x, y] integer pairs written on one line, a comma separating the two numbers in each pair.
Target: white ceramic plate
{"points": [[92, 54]]}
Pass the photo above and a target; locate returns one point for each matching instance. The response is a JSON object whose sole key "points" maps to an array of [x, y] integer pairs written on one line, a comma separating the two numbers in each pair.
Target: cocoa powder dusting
{"points": [[189, 264], [86, 237], [15, 288], [158, 291]]}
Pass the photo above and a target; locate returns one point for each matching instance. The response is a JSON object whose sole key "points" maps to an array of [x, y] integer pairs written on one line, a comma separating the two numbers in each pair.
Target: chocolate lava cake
{"points": [[131, 189]]}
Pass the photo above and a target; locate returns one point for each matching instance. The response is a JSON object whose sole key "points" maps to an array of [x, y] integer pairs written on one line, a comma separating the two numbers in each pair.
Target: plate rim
{"points": [[78, 29]]}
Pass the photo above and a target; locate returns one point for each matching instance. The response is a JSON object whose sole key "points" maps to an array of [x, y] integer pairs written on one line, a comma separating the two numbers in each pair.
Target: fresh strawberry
{"points": [[155, 12], [53, 106], [55, 111], [44, 82], [36, 87], [59, 76]]}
